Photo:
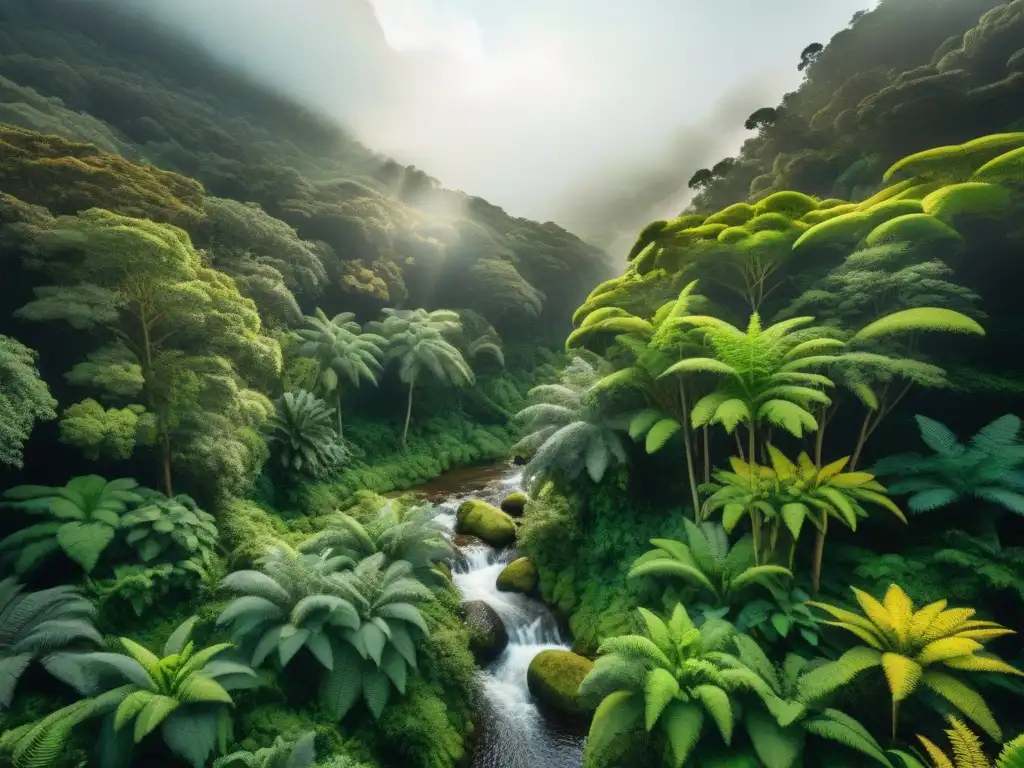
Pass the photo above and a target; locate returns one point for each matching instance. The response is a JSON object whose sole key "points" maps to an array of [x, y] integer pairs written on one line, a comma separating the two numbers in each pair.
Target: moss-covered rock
{"points": [[554, 679], [518, 576], [487, 522], [514, 503], [488, 636]]}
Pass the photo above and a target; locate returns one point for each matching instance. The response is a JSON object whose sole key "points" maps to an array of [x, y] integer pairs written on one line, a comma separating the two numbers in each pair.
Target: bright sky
{"points": [[553, 109]]}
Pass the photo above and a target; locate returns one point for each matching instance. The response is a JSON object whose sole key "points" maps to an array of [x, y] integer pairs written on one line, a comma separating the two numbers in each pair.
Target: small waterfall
{"points": [[512, 732]]}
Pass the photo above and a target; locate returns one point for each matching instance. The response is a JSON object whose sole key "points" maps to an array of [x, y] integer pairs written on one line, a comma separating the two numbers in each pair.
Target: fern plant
{"points": [[967, 751], [185, 693], [568, 430], [169, 529], [411, 534], [707, 561], [282, 754], [84, 518], [301, 433], [416, 343], [362, 625], [36, 625], [671, 681], [989, 468], [342, 353], [924, 648], [779, 729]]}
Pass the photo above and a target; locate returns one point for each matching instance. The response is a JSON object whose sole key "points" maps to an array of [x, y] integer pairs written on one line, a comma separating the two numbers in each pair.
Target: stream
{"points": [[511, 732]]}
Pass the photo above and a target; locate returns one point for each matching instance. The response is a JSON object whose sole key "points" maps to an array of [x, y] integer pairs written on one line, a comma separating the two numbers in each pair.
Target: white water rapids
{"points": [[512, 733]]}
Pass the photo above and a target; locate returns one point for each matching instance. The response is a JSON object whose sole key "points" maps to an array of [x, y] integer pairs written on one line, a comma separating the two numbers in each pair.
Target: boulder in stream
{"points": [[518, 576], [554, 678], [485, 521], [514, 503], [488, 636]]}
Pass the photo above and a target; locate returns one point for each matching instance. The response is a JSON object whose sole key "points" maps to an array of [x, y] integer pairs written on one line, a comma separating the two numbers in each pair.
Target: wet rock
{"points": [[485, 521], [464, 541], [488, 636], [518, 576], [554, 678], [514, 503]]}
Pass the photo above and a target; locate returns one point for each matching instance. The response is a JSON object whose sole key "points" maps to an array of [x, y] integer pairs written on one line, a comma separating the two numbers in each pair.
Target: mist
{"points": [[591, 113]]}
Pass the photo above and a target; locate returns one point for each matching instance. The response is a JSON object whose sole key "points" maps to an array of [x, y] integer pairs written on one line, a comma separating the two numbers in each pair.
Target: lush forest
{"points": [[773, 461]]}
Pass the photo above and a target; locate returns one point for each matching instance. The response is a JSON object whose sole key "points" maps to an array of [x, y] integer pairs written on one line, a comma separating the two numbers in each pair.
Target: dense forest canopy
{"points": [[236, 337]]}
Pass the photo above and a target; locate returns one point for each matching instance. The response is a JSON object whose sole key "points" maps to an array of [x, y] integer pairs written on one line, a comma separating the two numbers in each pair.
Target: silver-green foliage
{"points": [[675, 681], [990, 467], [84, 517], [185, 692], [361, 623], [281, 754], [303, 436], [568, 428], [797, 709], [412, 534], [35, 625], [170, 530], [24, 399]]}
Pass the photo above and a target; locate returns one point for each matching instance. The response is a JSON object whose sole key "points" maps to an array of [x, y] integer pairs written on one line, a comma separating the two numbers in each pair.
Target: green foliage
{"points": [[708, 561], [185, 692], [281, 754], [303, 436], [361, 624], [674, 679], [24, 399], [922, 649], [568, 428], [84, 517], [989, 468], [97, 431], [38, 625], [172, 531], [967, 751]]}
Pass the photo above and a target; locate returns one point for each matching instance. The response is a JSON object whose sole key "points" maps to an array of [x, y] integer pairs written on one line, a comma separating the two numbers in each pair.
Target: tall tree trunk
{"points": [[755, 514], [689, 454], [337, 400], [819, 439], [819, 553], [408, 415], [707, 457], [167, 464], [164, 435], [861, 439]]}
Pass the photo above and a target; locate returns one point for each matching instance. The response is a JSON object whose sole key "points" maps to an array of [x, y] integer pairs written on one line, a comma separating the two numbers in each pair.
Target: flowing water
{"points": [[511, 732]]}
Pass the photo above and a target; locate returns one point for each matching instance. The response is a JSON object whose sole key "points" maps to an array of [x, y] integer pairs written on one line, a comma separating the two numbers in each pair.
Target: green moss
{"points": [[733, 216], [830, 203], [689, 221], [825, 214], [791, 204], [1008, 167], [518, 576], [515, 503], [971, 198], [841, 231], [487, 522], [733, 235], [771, 222], [918, 229], [955, 162], [554, 678]]}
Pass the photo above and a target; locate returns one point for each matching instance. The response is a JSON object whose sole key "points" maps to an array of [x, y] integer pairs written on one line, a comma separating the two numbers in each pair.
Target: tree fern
{"points": [[303, 437], [967, 750], [989, 468], [36, 625], [568, 429], [281, 754], [926, 648], [84, 517]]}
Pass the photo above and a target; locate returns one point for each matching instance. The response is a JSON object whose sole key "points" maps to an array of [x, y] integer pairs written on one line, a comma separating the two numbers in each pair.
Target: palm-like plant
{"points": [[797, 709], [921, 648], [342, 352], [185, 693], [567, 428], [303, 436], [85, 515], [706, 560], [411, 534], [416, 341], [488, 343], [967, 752], [359, 624], [36, 625], [673, 679], [989, 468], [281, 754]]}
